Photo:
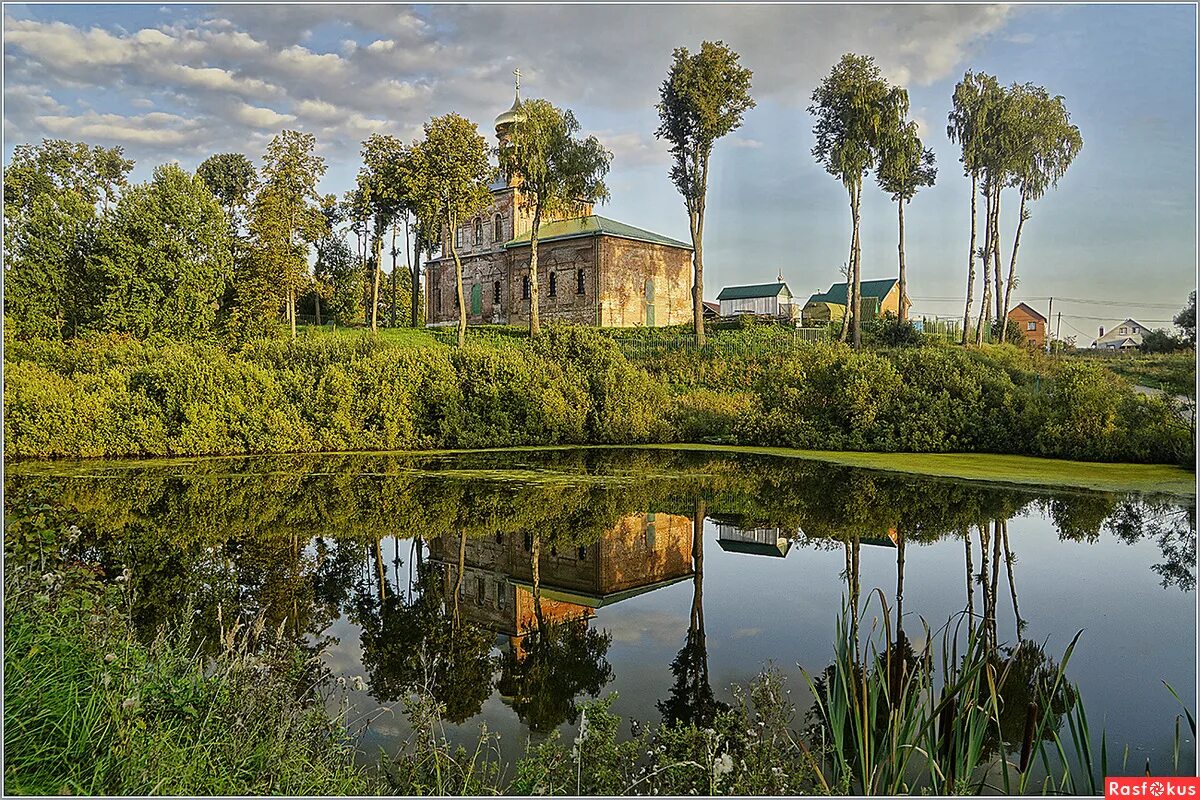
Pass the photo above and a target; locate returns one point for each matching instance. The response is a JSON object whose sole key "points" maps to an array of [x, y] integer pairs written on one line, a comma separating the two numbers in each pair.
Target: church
{"points": [[591, 269]]}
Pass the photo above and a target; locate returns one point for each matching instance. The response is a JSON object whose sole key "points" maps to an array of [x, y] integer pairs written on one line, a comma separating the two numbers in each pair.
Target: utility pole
{"points": [[1049, 316], [1058, 330]]}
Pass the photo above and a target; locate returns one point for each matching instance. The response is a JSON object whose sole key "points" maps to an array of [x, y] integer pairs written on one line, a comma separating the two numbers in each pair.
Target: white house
{"points": [[761, 299], [1125, 335]]}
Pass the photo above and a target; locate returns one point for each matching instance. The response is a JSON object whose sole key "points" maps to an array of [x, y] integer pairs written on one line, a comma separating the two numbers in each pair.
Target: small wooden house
{"points": [[1032, 324], [1125, 335], [760, 299], [878, 298]]}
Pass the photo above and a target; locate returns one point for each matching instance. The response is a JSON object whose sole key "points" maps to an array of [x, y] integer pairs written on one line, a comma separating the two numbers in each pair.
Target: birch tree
{"points": [[450, 179], [555, 172], [904, 167], [704, 97]]}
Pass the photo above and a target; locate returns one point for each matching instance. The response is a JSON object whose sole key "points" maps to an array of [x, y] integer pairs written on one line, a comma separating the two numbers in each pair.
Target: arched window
{"points": [[498, 233], [553, 284], [478, 232]]}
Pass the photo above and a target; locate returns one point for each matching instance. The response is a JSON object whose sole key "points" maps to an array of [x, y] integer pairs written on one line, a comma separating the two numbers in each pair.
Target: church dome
{"points": [[510, 116]]}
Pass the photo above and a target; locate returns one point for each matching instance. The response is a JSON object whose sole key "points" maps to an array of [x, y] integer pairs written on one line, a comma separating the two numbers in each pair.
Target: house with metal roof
{"points": [[591, 269], [879, 297], [1126, 335], [760, 299], [1031, 322]]}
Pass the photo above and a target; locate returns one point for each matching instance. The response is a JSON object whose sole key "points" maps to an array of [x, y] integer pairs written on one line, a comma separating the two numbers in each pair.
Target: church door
{"points": [[650, 303], [477, 299]]}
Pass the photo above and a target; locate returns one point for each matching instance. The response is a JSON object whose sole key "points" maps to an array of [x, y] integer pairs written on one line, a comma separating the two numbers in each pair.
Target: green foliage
{"points": [[1186, 319], [1162, 341], [232, 179], [90, 709], [160, 262]]}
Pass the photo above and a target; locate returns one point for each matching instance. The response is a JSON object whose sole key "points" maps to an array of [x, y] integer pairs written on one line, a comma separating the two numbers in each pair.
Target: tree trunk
{"points": [[970, 578], [534, 326], [458, 285], [535, 562], [997, 265], [970, 263], [899, 584], [698, 584], [317, 307], [416, 274], [985, 309], [1012, 263], [849, 272], [292, 308], [856, 299], [698, 207], [903, 315], [462, 565], [394, 254], [375, 273]]}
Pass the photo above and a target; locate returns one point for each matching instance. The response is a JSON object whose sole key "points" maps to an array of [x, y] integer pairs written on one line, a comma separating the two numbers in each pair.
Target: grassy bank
{"points": [[410, 390]]}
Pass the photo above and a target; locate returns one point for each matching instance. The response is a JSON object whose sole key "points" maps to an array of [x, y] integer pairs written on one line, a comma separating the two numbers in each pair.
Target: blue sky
{"points": [[182, 82]]}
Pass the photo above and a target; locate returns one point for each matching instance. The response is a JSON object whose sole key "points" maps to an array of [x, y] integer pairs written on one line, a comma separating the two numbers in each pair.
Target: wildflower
{"points": [[73, 534], [48, 578], [341, 681], [105, 679], [723, 765], [358, 684], [110, 657], [129, 704]]}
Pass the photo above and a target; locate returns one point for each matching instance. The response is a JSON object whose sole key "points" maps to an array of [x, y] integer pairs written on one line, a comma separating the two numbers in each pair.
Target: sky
{"points": [[1116, 239]]}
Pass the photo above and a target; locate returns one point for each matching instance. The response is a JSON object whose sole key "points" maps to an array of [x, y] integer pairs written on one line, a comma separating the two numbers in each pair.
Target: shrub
{"points": [[704, 415]]}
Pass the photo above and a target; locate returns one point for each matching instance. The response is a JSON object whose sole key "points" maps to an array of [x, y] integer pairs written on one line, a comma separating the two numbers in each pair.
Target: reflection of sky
{"points": [[782, 611]]}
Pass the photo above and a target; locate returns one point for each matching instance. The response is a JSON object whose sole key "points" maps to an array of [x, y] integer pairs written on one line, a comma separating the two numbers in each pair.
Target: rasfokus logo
{"points": [[1152, 788]]}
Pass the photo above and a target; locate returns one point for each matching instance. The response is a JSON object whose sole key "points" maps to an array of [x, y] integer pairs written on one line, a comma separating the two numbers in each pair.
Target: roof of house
{"points": [[753, 291], [594, 225], [1028, 310], [713, 307], [837, 293]]}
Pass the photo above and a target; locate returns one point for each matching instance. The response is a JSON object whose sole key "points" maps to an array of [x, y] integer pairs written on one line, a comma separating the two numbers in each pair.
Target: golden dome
{"points": [[510, 116]]}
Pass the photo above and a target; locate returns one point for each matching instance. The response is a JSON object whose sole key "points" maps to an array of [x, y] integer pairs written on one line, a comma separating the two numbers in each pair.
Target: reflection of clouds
{"points": [[658, 626]]}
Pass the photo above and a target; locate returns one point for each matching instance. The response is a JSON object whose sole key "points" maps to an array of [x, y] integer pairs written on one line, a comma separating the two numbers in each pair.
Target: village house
{"points": [[879, 298], [591, 269], [1032, 324], [760, 299], [1126, 335]]}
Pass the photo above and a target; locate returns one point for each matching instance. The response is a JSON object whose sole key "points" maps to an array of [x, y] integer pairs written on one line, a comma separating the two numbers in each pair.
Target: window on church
{"points": [[496, 293], [578, 281], [478, 232], [525, 287], [498, 224], [553, 284], [458, 237]]}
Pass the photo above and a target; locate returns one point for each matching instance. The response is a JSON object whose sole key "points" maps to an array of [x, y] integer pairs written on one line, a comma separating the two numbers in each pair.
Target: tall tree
{"points": [[285, 219], [232, 179], [450, 178], [704, 97], [853, 105], [555, 173], [1043, 143], [904, 167], [51, 191], [974, 96], [1185, 320], [383, 181], [161, 260]]}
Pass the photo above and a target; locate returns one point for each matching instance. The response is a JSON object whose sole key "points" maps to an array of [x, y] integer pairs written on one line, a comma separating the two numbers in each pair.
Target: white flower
{"points": [[358, 684], [723, 765], [341, 681]]}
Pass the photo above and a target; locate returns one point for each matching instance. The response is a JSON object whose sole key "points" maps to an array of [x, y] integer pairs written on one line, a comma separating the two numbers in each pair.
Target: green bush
{"points": [[704, 415]]}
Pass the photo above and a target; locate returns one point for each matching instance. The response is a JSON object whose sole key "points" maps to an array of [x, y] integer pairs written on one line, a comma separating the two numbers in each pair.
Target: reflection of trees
{"points": [[550, 667], [1171, 527], [691, 701]]}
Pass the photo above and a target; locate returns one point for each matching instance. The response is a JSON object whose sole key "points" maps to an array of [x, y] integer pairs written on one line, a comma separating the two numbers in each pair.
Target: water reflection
{"points": [[499, 575]]}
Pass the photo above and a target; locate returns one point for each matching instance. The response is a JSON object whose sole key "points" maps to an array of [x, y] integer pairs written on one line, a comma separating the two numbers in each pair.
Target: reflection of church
{"points": [[640, 553], [591, 269]]}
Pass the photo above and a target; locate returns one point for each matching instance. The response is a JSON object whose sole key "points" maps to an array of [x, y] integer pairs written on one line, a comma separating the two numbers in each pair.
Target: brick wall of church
{"points": [[563, 259], [627, 266]]}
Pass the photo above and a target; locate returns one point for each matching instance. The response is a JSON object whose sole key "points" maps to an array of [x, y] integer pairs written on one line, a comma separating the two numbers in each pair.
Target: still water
{"points": [[515, 585]]}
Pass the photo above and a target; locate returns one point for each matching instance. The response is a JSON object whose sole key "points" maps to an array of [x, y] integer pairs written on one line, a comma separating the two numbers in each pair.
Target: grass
{"points": [[1024, 470], [1172, 372], [90, 709]]}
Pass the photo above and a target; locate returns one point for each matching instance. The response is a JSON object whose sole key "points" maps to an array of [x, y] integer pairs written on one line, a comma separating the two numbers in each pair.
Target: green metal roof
{"points": [[755, 290], [837, 293], [777, 550], [595, 225], [590, 600]]}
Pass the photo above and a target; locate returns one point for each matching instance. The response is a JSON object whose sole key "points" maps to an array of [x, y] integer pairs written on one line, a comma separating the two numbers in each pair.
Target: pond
{"points": [[514, 585]]}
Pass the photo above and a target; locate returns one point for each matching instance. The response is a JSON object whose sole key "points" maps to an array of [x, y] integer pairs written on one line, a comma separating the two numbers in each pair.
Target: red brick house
{"points": [[1033, 324]]}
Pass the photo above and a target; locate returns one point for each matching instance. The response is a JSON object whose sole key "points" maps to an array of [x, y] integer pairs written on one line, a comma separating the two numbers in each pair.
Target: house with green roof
{"points": [[760, 299], [591, 269], [879, 297]]}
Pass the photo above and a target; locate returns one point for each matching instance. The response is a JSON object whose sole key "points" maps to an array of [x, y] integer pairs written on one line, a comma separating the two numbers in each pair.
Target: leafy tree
{"points": [[1185, 320], [161, 261], [383, 183], [904, 167], [50, 196], [703, 98], [450, 176], [285, 219], [232, 179], [555, 173], [337, 276], [854, 107], [1043, 143], [974, 97], [1162, 341]]}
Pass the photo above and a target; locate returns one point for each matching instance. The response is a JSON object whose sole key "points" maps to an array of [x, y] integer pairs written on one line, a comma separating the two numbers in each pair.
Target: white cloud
{"points": [[155, 129], [258, 117]]}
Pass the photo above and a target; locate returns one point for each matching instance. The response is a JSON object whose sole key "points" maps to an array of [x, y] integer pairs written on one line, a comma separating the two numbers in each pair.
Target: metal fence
{"points": [[655, 346]]}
